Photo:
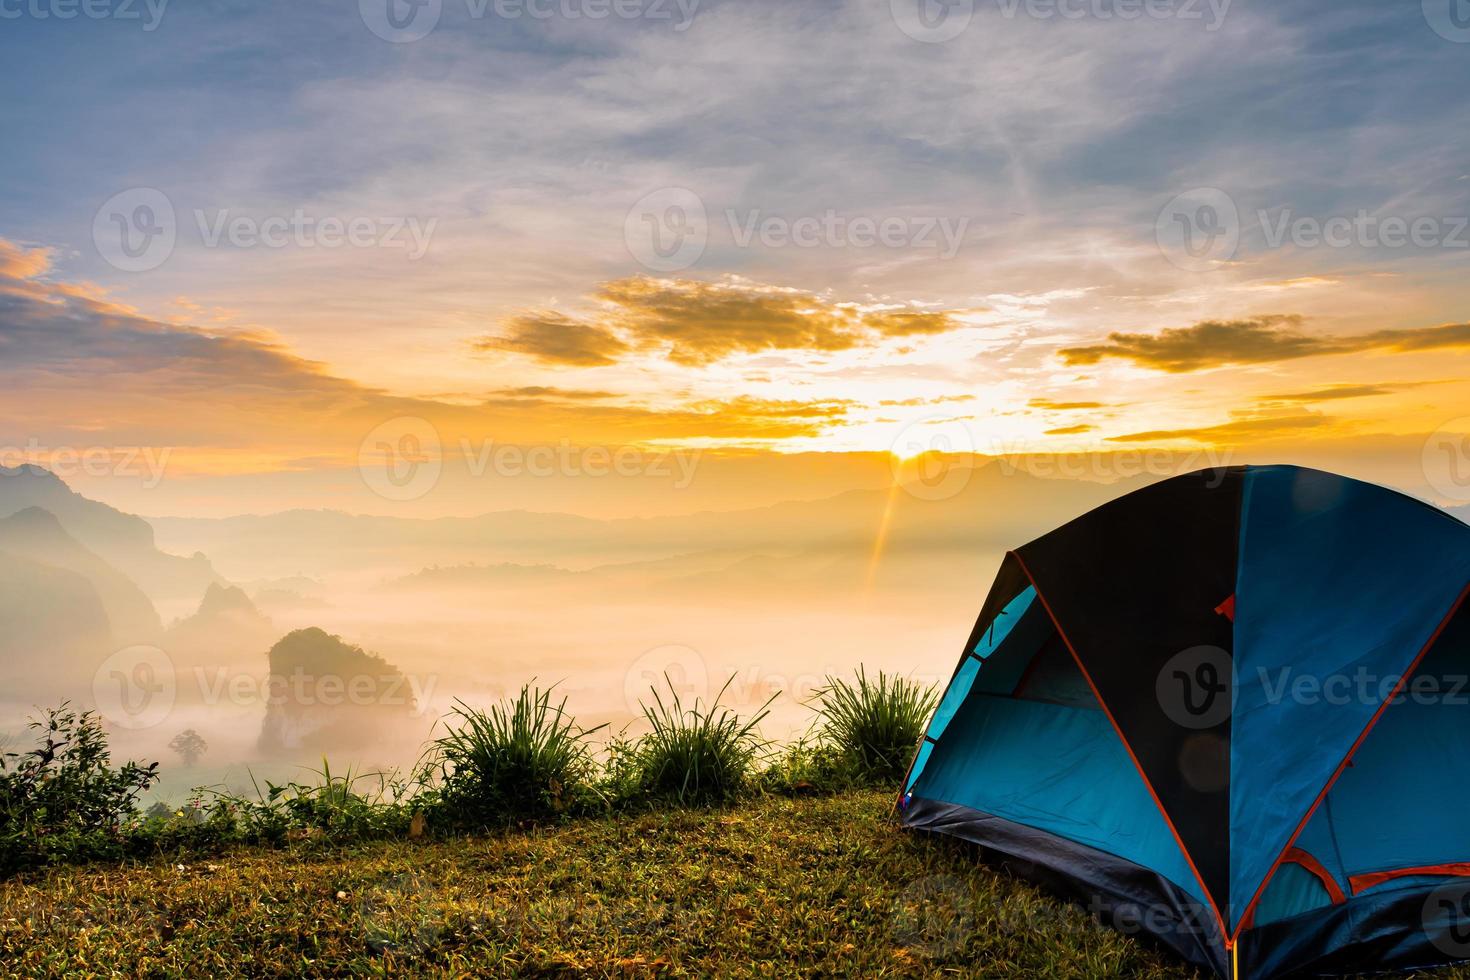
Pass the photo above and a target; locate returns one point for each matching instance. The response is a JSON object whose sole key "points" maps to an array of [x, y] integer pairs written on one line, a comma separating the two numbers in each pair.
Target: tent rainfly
{"points": [[1229, 709]]}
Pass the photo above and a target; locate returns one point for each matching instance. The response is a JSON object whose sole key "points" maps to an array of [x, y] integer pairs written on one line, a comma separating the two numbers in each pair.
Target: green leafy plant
{"points": [[874, 726], [694, 755], [62, 800], [522, 759]]}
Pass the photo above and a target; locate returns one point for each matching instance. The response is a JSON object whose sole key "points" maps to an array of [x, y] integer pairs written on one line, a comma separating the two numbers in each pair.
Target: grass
{"points": [[525, 758], [874, 726], [694, 755], [776, 887]]}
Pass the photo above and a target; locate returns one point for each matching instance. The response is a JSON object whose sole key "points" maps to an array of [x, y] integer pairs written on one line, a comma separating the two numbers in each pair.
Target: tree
{"points": [[190, 746]]}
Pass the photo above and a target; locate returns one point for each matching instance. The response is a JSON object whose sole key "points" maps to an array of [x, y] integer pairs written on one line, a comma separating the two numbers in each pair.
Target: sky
{"points": [[274, 245]]}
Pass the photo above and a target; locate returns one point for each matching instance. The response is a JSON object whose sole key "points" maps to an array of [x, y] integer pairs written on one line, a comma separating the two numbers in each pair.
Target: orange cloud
{"points": [[695, 323], [18, 262], [1216, 343]]}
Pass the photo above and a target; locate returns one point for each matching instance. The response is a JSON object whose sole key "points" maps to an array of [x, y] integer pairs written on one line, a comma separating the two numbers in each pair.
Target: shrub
{"points": [[692, 755], [523, 759], [63, 801], [874, 726]]}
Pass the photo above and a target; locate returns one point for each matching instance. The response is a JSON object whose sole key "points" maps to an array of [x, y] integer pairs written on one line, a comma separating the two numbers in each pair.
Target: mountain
{"points": [[55, 633], [986, 507], [227, 629], [326, 693], [122, 540], [36, 535]]}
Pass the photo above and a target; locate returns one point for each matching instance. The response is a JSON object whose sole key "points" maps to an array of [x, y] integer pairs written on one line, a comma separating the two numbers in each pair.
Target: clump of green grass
{"points": [[693, 755], [522, 759], [335, 806], [874, 726]]}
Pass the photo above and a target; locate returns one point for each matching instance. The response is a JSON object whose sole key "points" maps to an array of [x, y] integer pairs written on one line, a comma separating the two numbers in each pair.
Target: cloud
{"points": [[1055, 406], [82, 371], [1070, 430], [553, 338], [1207, 344], [694, 323], [546, 391], [1236, 429], [18, 262], [1335, 392], [1263, 339]]}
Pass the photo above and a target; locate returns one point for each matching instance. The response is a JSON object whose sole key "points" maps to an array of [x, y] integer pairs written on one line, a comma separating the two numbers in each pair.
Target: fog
{"points": [[763, 603]]}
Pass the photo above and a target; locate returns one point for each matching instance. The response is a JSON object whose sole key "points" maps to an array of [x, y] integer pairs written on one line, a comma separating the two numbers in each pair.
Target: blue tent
{"points": [[1227, 710]]}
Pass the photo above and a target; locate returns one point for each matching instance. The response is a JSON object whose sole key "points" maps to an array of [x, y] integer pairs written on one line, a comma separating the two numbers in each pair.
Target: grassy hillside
{"points": [[778, 887]]}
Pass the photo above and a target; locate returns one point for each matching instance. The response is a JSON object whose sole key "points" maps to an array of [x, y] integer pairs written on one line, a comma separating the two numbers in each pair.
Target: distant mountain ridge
{"points": [[989, 507], [124, 541], [37, 535]]}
